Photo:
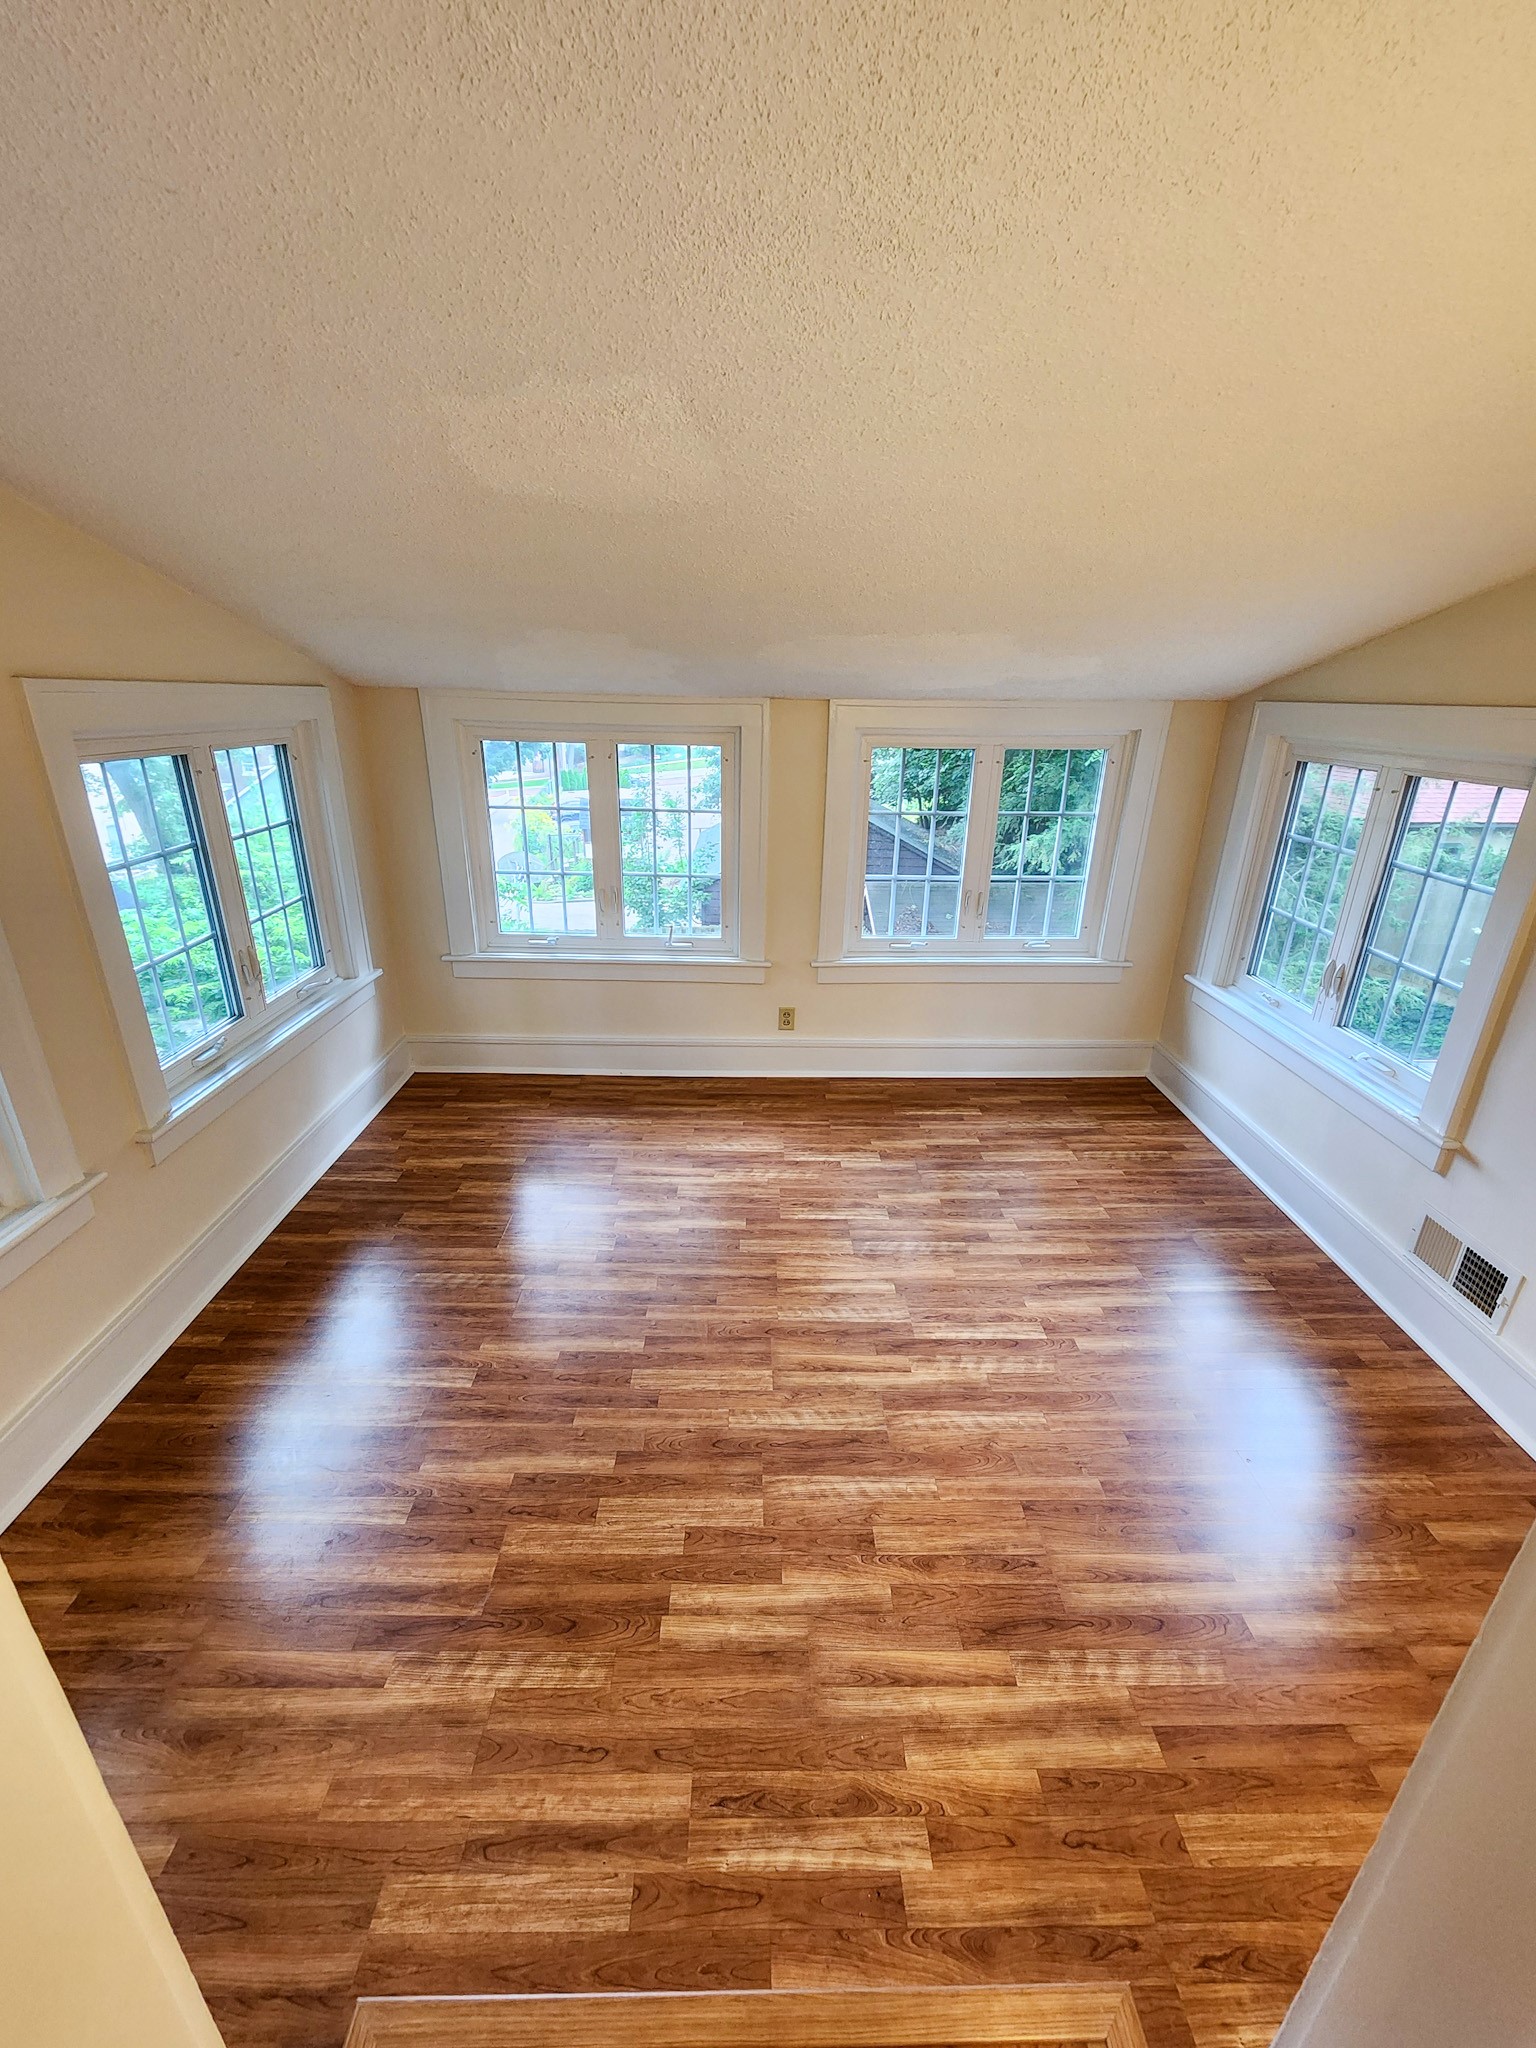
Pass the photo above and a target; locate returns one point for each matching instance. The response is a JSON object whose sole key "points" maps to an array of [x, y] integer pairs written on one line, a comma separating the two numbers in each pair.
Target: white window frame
{"points": [[1133, 736], [456, 723], [1424, 1115], [86, 721], [44, 1195]]}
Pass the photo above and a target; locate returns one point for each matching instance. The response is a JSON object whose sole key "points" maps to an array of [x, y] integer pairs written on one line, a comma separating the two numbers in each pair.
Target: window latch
{"points": [[1377, 1064]]}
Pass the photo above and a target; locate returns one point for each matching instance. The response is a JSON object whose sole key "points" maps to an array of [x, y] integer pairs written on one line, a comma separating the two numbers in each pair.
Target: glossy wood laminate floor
{"points": [[691, 1535]]}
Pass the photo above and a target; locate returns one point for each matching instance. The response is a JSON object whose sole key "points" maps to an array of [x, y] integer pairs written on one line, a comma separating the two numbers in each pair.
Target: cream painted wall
{"points": [[433, 1001], [71, 606], [87, 1955], [1481, 652]]}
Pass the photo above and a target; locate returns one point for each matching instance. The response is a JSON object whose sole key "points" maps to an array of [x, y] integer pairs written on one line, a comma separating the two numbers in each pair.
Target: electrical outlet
{"points": [[786, 1019]]}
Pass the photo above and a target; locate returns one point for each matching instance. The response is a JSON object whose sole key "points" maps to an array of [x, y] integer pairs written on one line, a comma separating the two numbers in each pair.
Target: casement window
{"points": [[1379, 868], [204, 850], [964, 841], [208, 830], [588, 838]]}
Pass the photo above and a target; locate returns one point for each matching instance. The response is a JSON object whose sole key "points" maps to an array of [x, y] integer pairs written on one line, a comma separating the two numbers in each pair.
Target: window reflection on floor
{"points": [[1271, 1451], [308, 1452]]}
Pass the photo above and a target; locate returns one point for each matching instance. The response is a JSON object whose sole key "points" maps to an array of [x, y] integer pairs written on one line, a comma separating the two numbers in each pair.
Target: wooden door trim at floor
{"points": [[1007, 2015]]}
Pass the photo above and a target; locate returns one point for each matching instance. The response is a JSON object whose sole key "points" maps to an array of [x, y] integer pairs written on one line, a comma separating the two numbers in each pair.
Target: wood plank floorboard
{"points": [[726, 1535]]}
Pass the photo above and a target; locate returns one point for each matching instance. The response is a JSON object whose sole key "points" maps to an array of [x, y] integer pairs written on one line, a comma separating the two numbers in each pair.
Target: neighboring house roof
{"points": [[911, 852]]}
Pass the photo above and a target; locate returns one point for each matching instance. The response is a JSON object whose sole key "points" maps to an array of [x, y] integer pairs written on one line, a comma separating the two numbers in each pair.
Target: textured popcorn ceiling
{"points": [[906, 346]]}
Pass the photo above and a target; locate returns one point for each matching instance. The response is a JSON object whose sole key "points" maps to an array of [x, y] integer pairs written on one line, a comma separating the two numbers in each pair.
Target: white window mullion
{"points": [[1364, 883], [231, 895], [607, 880], [980, 838]]}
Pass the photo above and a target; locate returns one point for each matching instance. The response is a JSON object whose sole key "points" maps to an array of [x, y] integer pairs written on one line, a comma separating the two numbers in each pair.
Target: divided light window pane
{"points": [[919, 809], [1045, 824], [257, 786], [151, 840], [541, 835], [1307, 885], [669, 839], [1452, 840]]}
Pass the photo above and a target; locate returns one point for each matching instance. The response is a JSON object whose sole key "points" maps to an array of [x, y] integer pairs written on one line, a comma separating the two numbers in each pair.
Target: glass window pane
{"points": [[1084, 769], [509, 842], [136, 821], [1000, 910], [1439, 908], [1047, 816], [635, 775], [1017, 763], [672, 905], [537, 761], [1451, 843], [637, 840], [1469, 929], [1066, 914], [102, 813], [1049, 777], [670, 839], [914, 850], [540, 811], [514, 912], [884, 778], [672, 847], [705, 856], [877, 910], [640, 904], [941, 917], [1034, 902], [162, 782], [151, 840], [919, 766], [1310, 877], [263, 817], [908, 908]]}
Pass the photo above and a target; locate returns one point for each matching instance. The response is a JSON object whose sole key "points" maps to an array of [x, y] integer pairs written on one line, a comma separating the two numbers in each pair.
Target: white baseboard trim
{"points": [[781, 1054], [1499, 1379], [54, 1424]]}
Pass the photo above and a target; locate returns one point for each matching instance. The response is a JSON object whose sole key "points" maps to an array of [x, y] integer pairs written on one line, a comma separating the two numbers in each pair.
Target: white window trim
{"points": [[81, 720], [456, 721], [1425, 1120], [44, 1196], [1134, 734]]}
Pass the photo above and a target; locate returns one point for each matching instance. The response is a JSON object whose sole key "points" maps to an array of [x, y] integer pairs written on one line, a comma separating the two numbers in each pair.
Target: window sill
{"points": [[196, 1107], [921, 965], [1384, 1112], [28, 1234], [559, 964]]}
